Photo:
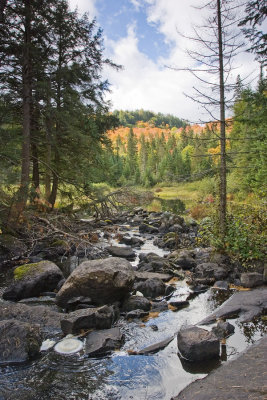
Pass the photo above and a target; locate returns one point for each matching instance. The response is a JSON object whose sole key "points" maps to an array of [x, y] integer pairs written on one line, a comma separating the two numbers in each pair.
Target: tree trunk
{"points": [[48, 172], [222, 210], [35, 167], [21, 196], [53, 195], [3, 4]]}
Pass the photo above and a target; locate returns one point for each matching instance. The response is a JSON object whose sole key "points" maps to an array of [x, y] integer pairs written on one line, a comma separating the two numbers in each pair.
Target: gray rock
{"points": [[147, 257], [197, 289], [154, 348], [251, 279], [146, 228], [223, 330], [136, 302], [204, 281], [197, 344], [169, 290], [223, 285], [89, 318], [160, 265], [132, 241], [176, 228], [247, 305], [100, 343], [104, 281], [210, 270], [19, 341], [136, 314], [143, 276], [240, 378], [145, 267], [78, 301], [151, 287], [48, 320], [159, 306], [33, 279], [183, 258], [124, 252], [179, 304]]}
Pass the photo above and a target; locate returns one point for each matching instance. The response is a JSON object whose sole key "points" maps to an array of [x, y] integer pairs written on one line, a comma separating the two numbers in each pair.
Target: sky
{"points": [[146, 38]]}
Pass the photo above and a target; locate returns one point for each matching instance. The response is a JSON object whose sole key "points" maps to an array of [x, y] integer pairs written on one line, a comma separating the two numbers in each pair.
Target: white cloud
{"points": [[136, 4], [148, 84], [85, 6], [143, 83]]}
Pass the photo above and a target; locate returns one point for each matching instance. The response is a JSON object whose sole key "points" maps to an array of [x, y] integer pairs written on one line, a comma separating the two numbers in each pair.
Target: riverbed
{"points": [[121, 375]]}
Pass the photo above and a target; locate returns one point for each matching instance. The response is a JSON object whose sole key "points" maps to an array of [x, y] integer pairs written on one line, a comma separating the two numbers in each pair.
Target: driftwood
{"points": [[109, 205], [154, 348]]}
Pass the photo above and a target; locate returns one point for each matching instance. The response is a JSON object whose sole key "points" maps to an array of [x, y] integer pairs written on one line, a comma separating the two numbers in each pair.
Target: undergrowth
{"points": [[245, 238]]}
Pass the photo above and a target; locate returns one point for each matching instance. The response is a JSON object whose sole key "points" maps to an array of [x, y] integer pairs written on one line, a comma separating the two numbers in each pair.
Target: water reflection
{"points": [[175, 206], [253, 329], [159, 376], [203, 367]]}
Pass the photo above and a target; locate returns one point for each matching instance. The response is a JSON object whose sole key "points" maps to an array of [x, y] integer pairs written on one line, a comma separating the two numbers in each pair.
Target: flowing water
{"points": [[123, 376]]}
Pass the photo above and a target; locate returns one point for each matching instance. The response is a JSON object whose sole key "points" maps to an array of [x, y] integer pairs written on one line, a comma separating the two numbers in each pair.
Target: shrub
{"points": [[200, 211], [246, 234]]}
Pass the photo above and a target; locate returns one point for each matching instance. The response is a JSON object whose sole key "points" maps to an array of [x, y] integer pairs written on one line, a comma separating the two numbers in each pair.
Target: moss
{"points": [[170, 235], [26, 269], [58, 243]]}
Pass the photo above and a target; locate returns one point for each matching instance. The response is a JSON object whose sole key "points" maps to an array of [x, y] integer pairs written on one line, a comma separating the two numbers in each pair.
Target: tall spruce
{"points": [[50, 78], [217, 43]]}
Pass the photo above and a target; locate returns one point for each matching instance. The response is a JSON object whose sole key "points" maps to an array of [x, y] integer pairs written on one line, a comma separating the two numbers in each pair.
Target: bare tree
{"points": [[215, 44]]}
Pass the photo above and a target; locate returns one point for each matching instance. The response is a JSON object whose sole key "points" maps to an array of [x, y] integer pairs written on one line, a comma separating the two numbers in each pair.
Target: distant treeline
{"points": [[131, 118]]}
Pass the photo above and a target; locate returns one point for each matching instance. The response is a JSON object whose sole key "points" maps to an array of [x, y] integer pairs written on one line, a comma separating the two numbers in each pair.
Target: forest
{"points": [[133, 170], [60, 142]]}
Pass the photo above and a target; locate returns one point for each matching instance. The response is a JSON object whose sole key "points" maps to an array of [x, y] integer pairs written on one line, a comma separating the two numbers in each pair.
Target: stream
{"points": [[122, 376]]}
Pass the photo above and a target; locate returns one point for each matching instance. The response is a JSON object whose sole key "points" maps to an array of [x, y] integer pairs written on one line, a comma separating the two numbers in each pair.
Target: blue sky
{"points": [[115, 17], [141, 35]]}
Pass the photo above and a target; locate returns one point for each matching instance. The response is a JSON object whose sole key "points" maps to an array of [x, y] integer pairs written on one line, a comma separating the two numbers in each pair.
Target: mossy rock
{"points": [[30, 280], [170, 235], [27, 269]]}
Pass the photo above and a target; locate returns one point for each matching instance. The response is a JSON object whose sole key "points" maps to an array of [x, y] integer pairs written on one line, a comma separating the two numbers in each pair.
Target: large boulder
{"points": [[100, 343], [11, 248], [151, 287], [30, 280], [251, 279], [19, 341], [104, 281], [197, 344], [48, 320], [246, 304], [89, 318], [211, 270]]}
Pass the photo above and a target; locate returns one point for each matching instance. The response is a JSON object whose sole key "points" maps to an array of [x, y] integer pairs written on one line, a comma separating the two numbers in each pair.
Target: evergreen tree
{"points": [[131, 155]]}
